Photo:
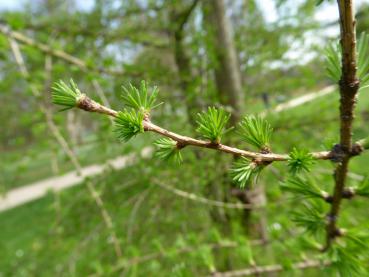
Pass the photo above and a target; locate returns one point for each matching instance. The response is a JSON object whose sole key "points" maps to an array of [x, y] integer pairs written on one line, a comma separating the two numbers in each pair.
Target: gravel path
{"points": [[39, 189]]}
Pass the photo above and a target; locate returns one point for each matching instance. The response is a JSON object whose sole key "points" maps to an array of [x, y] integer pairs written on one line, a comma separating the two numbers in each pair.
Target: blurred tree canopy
{"points": [[169, 220]]}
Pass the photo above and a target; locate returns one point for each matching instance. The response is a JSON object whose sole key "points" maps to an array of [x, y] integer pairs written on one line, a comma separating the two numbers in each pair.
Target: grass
{"points": [[32, 164]]}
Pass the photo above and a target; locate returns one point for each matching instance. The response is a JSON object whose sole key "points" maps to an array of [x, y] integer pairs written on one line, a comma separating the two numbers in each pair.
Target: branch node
{"points": [[348, 193], [356, 149], [180, 145], [327, 198], [337, 153], [331, 218], [85, 103]]}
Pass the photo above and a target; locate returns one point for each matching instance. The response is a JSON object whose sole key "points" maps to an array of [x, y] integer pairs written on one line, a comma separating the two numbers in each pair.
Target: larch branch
{"points": [[87, 104]]}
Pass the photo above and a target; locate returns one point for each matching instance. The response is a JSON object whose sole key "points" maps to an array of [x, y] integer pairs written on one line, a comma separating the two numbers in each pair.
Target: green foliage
{"points": [[358, 238], [168, 150], [362, 60], [363, 188], [346, 261], [311, 217], [256, 131], [128, 124], [211, 124], [140, 99], [333, 61], [244, 251], [65, 95], [243, 169], [303, 187], [300, 160]]}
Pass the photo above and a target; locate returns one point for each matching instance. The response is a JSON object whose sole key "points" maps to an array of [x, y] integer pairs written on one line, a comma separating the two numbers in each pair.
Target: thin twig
{"points": [[57, 53], [102, 95], [269, 269], [184, 250], [203, 200], [134, 212], [64, 144], [90, 105]]}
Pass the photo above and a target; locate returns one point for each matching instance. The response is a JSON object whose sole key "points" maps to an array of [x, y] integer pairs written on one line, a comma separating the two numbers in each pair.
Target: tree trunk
{"points": [[229, 87], [183, 61], [227, 71]]}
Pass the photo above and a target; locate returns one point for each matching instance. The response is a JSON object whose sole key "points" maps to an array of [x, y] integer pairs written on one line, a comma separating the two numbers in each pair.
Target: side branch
{"points": [[87, 104], [57, 53], [256, 270]]}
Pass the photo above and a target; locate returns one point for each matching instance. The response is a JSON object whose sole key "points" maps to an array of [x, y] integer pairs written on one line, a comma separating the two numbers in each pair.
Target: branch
{"points": [[188, 249], [65, 146], [364, 143], [57, 53], [349, 86], [269, 269], [203, 200], [87, 104], [185, 15]]}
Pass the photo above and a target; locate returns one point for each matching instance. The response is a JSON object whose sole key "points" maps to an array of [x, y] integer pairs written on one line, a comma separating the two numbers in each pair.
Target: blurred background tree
{"points": [[245, 56]]}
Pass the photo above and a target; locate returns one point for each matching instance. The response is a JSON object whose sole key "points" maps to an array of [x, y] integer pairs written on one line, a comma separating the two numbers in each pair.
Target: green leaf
{"points": [[140, 99], [306, 188], [168, 150], [300, 160], [211, 124], [362, 59], [65, 95], [256, 131], [311, 217], [243, 169], [128, 124], [363, 188], [346, 261], [333, 62], [358, 238]]}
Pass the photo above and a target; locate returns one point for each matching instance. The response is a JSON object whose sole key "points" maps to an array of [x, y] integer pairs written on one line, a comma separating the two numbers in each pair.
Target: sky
{"points": [[325, 13]]}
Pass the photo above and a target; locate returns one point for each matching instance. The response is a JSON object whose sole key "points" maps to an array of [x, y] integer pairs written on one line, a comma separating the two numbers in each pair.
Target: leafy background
{"points": [[160, 232]]}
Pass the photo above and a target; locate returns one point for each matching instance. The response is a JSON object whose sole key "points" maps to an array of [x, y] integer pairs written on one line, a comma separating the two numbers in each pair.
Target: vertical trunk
{"points": [[229, 87], [349, 85], [183, 61], [227, 72]]}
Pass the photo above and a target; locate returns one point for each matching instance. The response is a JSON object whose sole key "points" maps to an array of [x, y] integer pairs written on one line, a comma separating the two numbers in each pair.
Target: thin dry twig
{"points": [[87, 104], [57, 53], [270, 268], [64, 144], [203, 200]]}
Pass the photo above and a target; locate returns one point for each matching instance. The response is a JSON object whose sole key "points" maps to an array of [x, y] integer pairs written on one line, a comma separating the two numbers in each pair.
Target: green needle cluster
{"points": [[128, 124], [167, 150], [140, 98], [212, 123], [243, 170], [300, 160], [256, 131], [64, 95]]}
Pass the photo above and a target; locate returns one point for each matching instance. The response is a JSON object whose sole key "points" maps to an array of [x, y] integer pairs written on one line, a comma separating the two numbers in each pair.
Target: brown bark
{"points": [[183, 61], [227, 72], [90, 105], [349, 85]]}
